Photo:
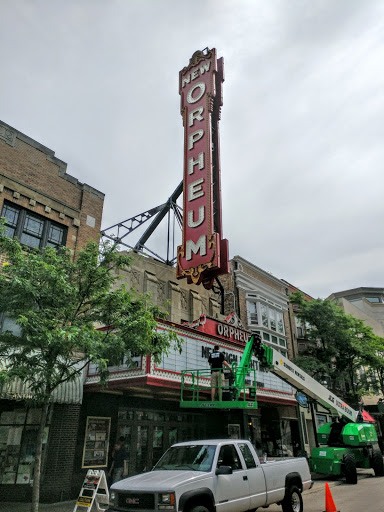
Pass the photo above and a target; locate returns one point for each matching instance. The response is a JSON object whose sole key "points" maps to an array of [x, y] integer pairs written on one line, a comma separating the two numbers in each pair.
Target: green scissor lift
{"points": [[196, 384]]}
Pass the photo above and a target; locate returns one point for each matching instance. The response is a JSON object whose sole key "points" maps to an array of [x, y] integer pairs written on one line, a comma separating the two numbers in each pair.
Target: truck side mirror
{"points": [[224, 470]]}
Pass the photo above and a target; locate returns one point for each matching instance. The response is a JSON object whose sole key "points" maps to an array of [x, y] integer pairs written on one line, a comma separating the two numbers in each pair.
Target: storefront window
{"points": [[157, 443], [18, 433], [321, 419], [172, 436], [141, 449], [286, 448], [125, 414], [149, 433]]}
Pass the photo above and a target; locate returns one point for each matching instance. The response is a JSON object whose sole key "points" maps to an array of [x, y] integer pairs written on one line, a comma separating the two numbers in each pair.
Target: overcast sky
{"points": [[302, 125]]}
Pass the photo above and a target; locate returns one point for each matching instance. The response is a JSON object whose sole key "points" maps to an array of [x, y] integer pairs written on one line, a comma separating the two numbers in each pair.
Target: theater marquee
{"points": [[203, 254]]}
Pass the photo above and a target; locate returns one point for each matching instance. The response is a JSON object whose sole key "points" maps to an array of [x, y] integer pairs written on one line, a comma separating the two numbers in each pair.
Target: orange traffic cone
{"points": [[329, 503]]}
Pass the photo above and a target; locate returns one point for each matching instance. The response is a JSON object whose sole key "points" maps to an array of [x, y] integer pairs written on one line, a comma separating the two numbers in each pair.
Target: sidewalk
{"points": [[64, 506]]}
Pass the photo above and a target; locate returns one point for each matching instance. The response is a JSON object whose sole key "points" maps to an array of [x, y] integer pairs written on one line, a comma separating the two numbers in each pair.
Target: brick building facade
{"points": [[43, 205]]}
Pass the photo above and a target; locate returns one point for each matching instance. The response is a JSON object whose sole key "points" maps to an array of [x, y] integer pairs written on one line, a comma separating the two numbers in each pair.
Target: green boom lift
{"points": [[345, 444]]}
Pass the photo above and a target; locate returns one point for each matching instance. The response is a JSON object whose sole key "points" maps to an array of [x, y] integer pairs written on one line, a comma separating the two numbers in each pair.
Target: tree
{"points": [[338, 346], [57, 302], [375, 373]]}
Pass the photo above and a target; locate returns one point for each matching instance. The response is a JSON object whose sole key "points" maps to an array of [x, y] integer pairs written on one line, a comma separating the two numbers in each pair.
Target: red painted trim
{"points": [[113, 384], [159, 382], [276, 391], [275, 400]]}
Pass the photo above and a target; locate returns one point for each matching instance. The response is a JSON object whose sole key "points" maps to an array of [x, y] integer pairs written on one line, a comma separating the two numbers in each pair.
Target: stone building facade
{"points": [[183, 302], [43, 206], [262, 303]]}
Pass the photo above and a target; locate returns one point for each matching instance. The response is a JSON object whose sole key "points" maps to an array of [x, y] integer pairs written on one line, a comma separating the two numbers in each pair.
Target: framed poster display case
{"points": [[96, 442]]}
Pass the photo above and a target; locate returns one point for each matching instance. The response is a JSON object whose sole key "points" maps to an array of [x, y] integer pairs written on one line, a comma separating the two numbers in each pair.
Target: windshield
{"points": [[195, 457]]}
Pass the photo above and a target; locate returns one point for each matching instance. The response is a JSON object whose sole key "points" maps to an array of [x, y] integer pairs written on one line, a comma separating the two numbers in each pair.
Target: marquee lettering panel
{"points": [[195, 355]]}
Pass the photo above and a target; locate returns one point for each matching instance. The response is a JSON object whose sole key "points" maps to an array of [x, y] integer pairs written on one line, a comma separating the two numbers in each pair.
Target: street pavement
{"points": [[318, 492], [64, 506]]}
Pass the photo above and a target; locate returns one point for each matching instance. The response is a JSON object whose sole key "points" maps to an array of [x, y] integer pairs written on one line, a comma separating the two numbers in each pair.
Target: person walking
{"points": [[216, 360], [119, 467]]}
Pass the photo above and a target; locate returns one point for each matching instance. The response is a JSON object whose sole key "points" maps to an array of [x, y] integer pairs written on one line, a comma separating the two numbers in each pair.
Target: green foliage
{"points": [[374, 375], [57, 302], [338, 345]]}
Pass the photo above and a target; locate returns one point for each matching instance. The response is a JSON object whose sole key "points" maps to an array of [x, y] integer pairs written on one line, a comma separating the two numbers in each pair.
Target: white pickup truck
{"points": [[214, 476]]}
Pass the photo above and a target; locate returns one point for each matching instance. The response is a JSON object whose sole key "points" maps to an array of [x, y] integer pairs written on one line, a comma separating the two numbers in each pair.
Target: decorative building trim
{"points": [[149, 276], [41, 198], [7, 134], [253, 285]]}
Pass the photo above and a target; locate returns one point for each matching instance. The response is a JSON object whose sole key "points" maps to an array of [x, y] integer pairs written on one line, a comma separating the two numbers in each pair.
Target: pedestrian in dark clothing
{"points": [[216, 361], [119, 467]]}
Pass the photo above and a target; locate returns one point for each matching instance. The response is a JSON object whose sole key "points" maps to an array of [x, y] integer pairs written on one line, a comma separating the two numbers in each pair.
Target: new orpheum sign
{"points": [[203, 254]]}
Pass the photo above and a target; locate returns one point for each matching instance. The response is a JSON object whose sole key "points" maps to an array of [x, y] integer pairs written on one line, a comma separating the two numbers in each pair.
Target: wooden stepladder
{"points": [[94, 491]]}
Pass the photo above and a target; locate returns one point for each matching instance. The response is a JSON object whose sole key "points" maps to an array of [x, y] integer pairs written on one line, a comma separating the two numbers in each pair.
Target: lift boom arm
{"points": [[270, 359]]}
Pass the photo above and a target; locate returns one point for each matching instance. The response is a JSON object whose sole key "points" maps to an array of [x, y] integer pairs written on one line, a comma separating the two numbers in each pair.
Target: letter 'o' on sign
{"points": [[190, 98]]}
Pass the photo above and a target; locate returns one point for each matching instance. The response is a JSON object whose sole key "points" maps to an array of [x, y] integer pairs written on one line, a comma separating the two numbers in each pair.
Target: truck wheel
{"points": [[199, 508], [350, 469], [293, 502], [377, 463]]}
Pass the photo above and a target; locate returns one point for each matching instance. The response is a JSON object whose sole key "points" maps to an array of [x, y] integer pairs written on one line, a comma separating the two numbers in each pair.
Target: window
{"points": [[8, 323], [19, 429], [373, 299], [264, 314], [252, 312], [280, 322], [31, 229], [228, 457], [299, 327], [272, 319], [248, 457]]}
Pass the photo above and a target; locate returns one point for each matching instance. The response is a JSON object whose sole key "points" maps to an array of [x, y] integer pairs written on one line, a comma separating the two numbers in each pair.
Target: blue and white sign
{"points": [[302, 399]]}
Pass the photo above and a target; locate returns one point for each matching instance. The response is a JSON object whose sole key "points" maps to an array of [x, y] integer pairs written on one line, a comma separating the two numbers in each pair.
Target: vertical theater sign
{"points": [[203, 254]]}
